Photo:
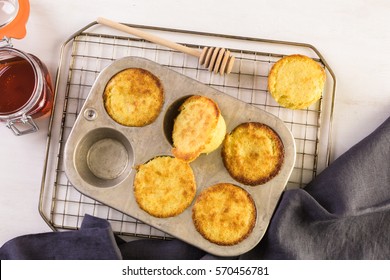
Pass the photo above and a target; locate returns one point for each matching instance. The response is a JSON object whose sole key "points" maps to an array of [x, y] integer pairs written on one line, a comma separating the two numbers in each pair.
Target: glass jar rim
{"points": [[38, 88]]}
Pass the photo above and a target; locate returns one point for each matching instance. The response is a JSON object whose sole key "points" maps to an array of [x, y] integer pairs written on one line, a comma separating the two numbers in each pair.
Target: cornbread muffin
{"points": [[224, 214], [134, 97], [199, 128], [164, 186], [296, 81], [252, 153]]}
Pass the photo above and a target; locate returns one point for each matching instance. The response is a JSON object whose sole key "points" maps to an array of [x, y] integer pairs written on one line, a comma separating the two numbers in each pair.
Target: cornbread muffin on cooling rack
{"points": [[296, 81], [252, 153], [199, 128], [224, 214], [134, 97], [164, 186]]}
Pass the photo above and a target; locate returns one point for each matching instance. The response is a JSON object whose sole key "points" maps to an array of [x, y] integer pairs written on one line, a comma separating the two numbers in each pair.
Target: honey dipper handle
{"points": [[149, 37]]}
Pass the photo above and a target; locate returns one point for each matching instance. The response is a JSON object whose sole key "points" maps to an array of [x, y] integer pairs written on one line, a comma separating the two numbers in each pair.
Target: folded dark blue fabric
{"points": [[344, 213], [95, 240]]}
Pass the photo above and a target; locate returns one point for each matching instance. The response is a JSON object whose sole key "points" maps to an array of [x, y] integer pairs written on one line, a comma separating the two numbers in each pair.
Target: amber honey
{"points": [[17, 82], [25, 86]]}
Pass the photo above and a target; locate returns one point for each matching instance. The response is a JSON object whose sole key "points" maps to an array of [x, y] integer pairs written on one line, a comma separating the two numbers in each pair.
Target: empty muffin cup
{"points": [[104, 157]]}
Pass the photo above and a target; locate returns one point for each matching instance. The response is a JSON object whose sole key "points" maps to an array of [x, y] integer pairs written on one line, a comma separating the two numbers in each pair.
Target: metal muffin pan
{"points": [[100, 154]]}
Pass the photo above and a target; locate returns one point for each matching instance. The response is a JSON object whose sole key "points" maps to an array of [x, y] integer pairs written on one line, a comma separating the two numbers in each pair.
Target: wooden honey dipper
{"points": [[215, 59]]}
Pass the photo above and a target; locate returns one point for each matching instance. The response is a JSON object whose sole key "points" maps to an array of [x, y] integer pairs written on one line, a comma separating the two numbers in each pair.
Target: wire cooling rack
{"points": [[94, 47]]}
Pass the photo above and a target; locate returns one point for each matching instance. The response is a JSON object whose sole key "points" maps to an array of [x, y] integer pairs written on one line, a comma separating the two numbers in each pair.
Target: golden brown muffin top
{"points": [[296, 81], [252, 153], [164, 186], [224, 214], [194, 127], [134, 97]]}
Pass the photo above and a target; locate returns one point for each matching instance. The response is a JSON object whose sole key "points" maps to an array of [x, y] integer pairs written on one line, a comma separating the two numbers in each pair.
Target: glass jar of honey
{"points": [[26, 90]]}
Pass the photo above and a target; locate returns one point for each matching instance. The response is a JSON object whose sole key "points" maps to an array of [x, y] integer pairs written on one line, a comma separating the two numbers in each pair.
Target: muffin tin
{"points": [[100, 155]]}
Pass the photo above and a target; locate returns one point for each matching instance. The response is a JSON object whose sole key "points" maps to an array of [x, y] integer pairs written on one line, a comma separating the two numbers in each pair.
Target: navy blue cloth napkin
{"points": [[94, 240], [344, 213]]}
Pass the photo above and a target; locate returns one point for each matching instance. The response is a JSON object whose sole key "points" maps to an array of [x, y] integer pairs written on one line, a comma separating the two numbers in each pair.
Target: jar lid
{"points": [[13, 18]]}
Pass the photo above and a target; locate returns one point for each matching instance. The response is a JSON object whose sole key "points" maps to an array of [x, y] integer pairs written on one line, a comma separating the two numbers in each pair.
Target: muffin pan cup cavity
{"points": [[100, 155]]}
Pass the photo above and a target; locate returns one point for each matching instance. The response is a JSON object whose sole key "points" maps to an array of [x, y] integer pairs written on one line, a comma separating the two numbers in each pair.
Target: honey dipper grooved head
{"points": [[217, 60]]}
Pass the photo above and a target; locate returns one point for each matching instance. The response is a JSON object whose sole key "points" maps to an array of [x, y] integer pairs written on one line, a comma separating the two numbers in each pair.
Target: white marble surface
{"points": [[353, 36]]}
